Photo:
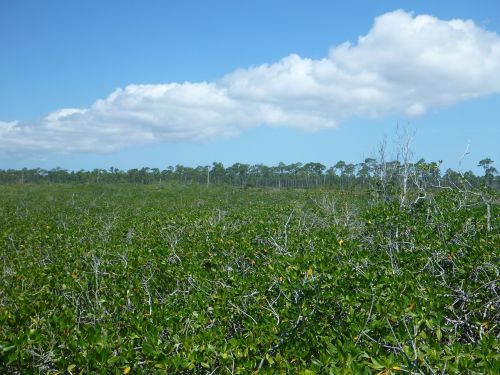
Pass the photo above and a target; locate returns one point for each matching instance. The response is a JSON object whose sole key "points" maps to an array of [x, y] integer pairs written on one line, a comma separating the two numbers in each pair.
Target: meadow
{"points": [[194, 279]]}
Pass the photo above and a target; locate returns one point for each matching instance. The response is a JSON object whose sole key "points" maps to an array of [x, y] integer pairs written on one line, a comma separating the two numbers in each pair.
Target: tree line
{"points": [[342, 175]]}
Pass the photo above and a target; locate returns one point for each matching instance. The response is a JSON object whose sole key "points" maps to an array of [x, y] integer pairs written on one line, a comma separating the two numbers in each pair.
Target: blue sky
{"points": [[249, 98]]}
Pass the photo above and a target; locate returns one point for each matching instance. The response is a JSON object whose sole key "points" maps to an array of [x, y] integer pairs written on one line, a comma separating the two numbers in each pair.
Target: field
{"points": [[178, 279]]}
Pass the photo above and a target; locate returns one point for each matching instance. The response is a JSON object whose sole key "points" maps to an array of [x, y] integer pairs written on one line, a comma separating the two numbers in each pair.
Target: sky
{"points": [[129, 84]]}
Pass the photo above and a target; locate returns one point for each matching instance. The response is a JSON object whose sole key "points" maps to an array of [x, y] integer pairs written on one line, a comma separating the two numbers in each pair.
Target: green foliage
{"points": [[156, 279], [383, 175]]}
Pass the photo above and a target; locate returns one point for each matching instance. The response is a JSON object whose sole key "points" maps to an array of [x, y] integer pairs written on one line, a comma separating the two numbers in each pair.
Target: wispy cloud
{"points": [[404, 65]]}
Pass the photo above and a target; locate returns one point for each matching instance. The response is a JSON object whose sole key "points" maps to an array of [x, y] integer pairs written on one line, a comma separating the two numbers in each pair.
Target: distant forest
{"points": [[342, 175]]}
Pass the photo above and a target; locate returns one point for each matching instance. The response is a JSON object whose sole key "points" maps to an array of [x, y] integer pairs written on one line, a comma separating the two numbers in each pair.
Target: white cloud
{"points": [[405, 65]]}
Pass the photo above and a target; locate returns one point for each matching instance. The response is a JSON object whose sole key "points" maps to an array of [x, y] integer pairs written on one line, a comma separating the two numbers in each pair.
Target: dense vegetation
{"points": [[398, 277], [297, 175]]}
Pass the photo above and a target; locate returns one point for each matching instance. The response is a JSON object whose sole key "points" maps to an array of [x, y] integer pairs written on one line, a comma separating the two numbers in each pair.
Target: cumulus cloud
{"points": [[405, 65]]}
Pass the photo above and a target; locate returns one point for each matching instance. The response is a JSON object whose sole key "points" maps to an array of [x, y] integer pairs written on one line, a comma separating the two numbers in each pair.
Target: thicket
{"points": [[398, 278]]}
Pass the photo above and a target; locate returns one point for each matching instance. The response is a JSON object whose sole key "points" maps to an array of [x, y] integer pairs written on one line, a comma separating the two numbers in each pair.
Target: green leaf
{"points": [[375, 364], [439, 334], [71, 368]]}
